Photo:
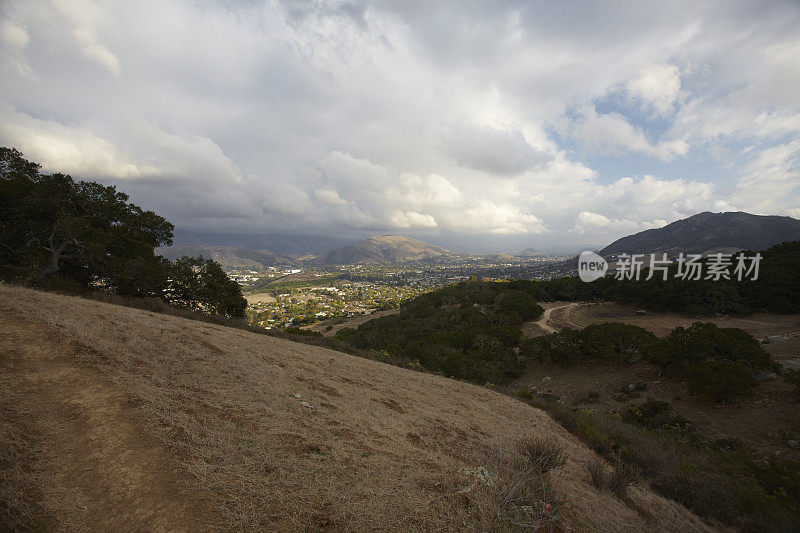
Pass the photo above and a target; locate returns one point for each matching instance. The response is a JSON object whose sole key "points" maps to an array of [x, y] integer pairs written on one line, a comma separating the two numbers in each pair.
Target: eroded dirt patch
{"points": [[86, 463]]}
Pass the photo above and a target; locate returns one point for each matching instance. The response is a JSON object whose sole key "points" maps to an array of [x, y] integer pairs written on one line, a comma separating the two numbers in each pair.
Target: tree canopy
{"points": [[53, 225]]}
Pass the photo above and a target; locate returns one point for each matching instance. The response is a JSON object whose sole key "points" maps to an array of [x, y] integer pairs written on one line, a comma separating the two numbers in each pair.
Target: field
{"points": [[343, 322], [759, 325], [260, 297], [766, 422], [121, 419]]}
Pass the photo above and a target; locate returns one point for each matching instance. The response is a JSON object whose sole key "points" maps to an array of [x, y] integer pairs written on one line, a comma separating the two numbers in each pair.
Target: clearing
{"points": [[340, 322], [766, 422]]}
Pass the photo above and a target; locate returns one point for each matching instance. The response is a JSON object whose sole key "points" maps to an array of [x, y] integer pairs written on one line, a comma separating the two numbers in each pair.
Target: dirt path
{"points": [[545, 321], [86, 461]]}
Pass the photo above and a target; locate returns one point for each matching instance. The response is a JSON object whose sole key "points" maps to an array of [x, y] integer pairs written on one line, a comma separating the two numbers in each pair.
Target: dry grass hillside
{"points": [[114, 418]]}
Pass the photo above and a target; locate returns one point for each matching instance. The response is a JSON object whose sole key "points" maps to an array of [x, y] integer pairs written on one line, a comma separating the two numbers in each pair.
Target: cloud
{"points": [[383, 199], [86, 17], [770, 183], [493, 150], [13, 36], [656, 87], [612, 134], [411, 219], [593, 223], [15, 39], [487, 121]]}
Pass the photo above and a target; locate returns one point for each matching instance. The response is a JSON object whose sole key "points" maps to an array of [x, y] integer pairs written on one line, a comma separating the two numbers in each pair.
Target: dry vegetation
{"points": [[118, 418], [766, 422], [736, 462], [759, 324]]}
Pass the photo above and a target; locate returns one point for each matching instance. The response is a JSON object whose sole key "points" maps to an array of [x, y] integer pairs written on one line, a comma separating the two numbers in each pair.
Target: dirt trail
{"points": [[545, 321], [94, 467]]}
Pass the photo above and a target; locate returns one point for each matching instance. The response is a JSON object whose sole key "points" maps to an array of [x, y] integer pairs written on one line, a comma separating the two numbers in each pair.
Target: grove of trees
{"points": [[468, 330], [777, 289], [52, 225]]}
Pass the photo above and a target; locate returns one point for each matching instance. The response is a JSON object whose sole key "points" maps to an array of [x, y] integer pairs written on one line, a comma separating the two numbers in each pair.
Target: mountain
{"points": [[529, 252], [230, 256], [384, 250], [710, 233]]}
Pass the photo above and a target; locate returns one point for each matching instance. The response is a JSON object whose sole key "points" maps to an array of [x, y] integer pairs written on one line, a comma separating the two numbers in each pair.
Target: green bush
{"points": [[650, 414], [700, 342], [468, 330], [610, 341], [722, 381]]}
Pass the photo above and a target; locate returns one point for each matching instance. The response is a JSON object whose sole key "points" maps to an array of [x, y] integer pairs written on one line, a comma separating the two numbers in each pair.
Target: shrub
{"points": [[525, 394], [610, 341], [722, 381], [624, 475], [543, 454], [468, 330], [701, 342], [650, 414], [508, 490], [793, 377], [598, 472], [716, 481]]}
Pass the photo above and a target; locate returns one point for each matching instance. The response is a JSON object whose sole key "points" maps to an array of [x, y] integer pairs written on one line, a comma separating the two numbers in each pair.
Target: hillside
{"points": [[383, 250], [710, 233], [229, 256], [115, 418]]}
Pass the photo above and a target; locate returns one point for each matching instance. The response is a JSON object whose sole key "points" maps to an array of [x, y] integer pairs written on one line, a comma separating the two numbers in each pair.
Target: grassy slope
{"points": [[382, 447]]}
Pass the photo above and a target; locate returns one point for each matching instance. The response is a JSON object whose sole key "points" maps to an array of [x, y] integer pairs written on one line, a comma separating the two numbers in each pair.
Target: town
{"points": [[296, 297]]}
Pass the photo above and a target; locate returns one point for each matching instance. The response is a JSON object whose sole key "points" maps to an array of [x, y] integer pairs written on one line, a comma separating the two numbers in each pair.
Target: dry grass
{"points": [[373, 447], [19, 495], [543, 454], [598, 472], [661, 323], [513, 487], [623, 476]]}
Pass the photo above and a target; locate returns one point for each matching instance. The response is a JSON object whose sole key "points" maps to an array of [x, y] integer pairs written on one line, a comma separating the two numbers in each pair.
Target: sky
{"points": [[482, 126]]}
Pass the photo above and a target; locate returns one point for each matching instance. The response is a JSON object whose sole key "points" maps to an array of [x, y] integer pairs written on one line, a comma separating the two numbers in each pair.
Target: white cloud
{"points": [[330, 197], [656, 87], [15, 39], [612, 134], [770, 183], [593, 223], [411, 219], [13, 35], [86, 18]]}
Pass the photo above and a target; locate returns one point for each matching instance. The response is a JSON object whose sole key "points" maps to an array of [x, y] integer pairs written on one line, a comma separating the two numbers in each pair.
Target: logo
{"points": [[591, 266]]}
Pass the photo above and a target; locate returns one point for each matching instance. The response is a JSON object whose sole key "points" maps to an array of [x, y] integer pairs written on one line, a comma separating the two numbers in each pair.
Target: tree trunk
{"points": [[55, 257]]}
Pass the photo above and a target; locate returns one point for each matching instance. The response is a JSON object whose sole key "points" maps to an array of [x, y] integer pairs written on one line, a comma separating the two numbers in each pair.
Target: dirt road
{"points": [[545, 321]]}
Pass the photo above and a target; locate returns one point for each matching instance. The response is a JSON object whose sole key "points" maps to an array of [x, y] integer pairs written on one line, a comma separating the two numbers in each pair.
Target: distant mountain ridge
{"points": [[383, 250], [710, 233], [230, 256], [277, 243]]}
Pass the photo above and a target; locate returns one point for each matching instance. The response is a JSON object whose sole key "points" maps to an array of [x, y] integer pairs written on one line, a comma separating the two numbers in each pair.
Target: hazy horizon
{"points": [[486, 127]]}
